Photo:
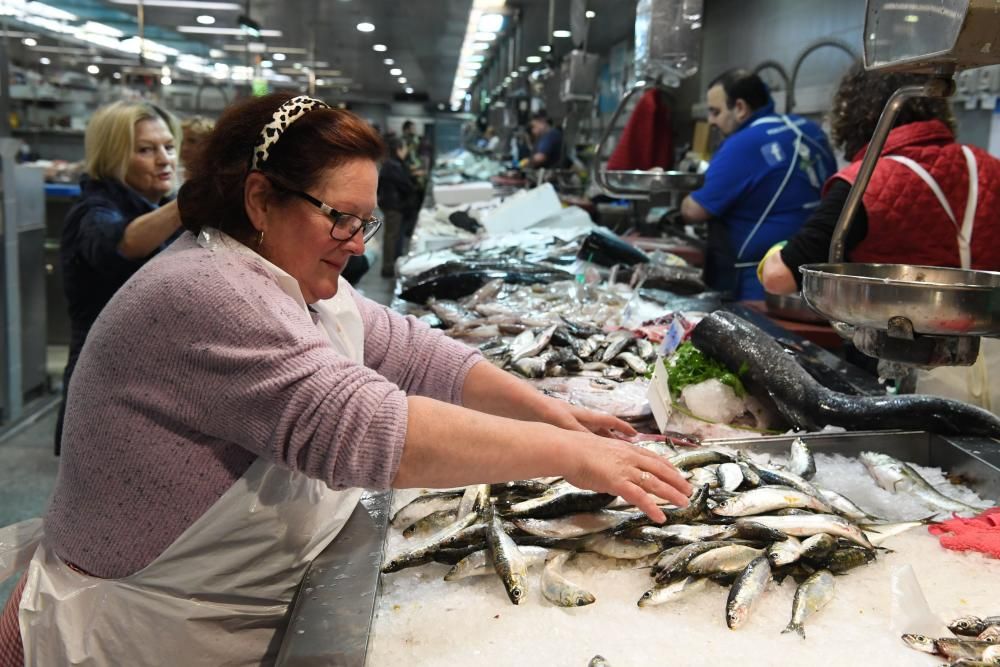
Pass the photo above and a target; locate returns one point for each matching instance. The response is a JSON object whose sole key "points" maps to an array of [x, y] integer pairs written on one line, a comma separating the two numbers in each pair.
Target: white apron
{"points": [[220, 591]]}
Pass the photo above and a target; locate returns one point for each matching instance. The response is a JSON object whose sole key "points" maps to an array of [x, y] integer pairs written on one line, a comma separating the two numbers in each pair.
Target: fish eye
{"points": [[516, 592]]}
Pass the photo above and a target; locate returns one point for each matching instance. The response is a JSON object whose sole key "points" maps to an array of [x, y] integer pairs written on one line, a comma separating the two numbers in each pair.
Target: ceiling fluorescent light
{"points": [[562, 34], [365, 26], [205, 19], [101, 29], [186, 4], [490, 22], [380, 48], [207, 30], [49, 12]]}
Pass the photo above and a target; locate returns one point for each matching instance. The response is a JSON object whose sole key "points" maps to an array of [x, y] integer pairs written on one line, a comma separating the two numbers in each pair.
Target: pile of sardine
{"points": [[548, 330], [976, 642], [747, 523]]}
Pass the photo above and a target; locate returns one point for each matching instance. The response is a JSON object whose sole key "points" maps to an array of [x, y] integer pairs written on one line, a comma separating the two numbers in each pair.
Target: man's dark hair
{"points": [[740, 84], [541, 114], [407, 125]]}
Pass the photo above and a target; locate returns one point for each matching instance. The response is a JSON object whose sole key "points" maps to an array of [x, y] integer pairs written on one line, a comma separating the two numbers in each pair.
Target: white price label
{"points": [[658, 395]]}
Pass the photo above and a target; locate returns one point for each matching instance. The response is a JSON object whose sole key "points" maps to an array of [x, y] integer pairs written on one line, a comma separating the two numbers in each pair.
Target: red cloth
{"points": [[906, 223], [980, 533], [11, 651], [648, 140]]}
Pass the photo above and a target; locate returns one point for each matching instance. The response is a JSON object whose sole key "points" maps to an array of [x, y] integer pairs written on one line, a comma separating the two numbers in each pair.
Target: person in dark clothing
{"points": [[396, 188], [125, 214], [548, 150]]}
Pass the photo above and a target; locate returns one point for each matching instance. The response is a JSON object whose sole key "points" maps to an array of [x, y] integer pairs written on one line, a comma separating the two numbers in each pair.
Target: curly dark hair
{"points": [[861, 97]]}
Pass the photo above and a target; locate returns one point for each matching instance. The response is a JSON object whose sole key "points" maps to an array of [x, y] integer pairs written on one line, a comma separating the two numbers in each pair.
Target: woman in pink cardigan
{"points": [[236, 394]]}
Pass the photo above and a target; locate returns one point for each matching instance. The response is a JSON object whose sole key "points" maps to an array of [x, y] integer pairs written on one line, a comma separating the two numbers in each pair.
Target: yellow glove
{"points": [[524, 163], [767, 255]]}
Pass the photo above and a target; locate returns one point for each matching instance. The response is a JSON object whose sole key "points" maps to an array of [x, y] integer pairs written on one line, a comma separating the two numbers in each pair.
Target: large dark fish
{"points": [[454, 280], [770, 371]]}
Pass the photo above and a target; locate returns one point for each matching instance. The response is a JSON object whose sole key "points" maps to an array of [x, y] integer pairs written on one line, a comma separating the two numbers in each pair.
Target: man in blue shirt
{"points": [[762, 183], [548, 151]]}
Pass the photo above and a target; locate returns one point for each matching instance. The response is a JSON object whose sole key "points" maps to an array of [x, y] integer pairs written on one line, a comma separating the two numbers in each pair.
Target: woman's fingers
{"points": [[636, 495]]}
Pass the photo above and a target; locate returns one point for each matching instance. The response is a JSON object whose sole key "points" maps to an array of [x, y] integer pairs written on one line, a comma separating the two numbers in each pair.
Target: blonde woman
{"points": [[125, 214], [196, 130]]}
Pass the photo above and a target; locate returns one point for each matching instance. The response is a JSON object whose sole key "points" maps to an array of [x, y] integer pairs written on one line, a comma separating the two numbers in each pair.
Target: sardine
{"points": [[599, 661], [431, 523], [785, 552], [971, 626], [776, 477], [617, 340], [573, 525], [684, 534], [522, 347], [530, 367], [746, 590], [896, 476], [818, 547], [507, 560], [673, 565], [727, 559], [474, 499], [919, 642], [620, 547], [419, 554], [800, 460], [704, 476], [557, 589], [773, 376], [616, 373], [812, 595], [478, 563], [806, 525], [645, 350], [845, 507], [560, 499], [730, 476], [880, 532], [990, 634], [633, 361], [848, 558], [662, 594], [750, 476], [699, 458], [767, 499], [423, 505]]}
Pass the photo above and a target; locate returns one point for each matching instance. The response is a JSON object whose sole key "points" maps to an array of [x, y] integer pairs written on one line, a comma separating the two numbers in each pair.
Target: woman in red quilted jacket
{"points": [[931, 200]]}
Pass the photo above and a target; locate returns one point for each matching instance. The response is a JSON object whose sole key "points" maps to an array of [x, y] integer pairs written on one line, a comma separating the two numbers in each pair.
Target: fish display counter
{"points": [[346, 614]]}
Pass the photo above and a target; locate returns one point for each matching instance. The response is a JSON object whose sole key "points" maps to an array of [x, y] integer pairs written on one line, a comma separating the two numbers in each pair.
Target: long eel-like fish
{"points": [[805, 403]]}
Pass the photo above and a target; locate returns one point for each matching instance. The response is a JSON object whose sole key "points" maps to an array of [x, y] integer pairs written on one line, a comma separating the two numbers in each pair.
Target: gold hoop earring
{"points": [[260, 239]]}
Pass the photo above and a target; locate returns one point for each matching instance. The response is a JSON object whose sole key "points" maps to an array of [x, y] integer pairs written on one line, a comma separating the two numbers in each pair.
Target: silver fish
{"points": [[594, 366], [530, 367], [724, 560], [573, 525], [750, 475], [685, 534], [617, 340], [767, 499], [919, 642], [620, 547], [730, 476], [557, 589], [806, 525], [812, 595], [990, 634], [673, 563], [474, 499], [478, 563], [419, 554], [507, 560], [423, 505], [845, 507], [970, 626], [784, 478], [598, 661], [521, 347], [785, 552], [645, 349], [697, 458], [819, 546], [634, 362], [800, 460], [969, 649], [662, 594], [704, 476], [896, 476], [616, 373], [431, 523], [746, 590], [560, 499]]}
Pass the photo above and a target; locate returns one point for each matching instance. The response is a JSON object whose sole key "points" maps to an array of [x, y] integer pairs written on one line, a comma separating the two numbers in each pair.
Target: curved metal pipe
{"points": [[834, 43], [596, 168], [943, 85], [776, 66]]}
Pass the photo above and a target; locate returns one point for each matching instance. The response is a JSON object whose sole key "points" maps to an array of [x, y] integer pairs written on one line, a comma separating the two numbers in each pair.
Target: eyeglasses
{"points": [[345, 225]]}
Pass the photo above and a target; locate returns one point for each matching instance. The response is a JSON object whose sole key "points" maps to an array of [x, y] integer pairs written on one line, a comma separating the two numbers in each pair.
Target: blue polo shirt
{"points": [[742, 180]]}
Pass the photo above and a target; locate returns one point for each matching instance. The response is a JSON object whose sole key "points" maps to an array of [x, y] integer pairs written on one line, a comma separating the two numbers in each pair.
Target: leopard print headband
{"points": [[285, 115]]}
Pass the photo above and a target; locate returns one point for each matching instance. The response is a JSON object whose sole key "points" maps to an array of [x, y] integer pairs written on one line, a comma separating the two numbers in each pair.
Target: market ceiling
{"points": [[422, 38]]}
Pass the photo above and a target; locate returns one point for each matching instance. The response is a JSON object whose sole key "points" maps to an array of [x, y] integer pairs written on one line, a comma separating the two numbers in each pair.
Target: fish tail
{"points": [[797, 627]]}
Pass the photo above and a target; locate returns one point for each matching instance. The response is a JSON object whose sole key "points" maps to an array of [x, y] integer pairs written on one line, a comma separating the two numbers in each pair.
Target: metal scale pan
{"points": [[919, 315]]}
